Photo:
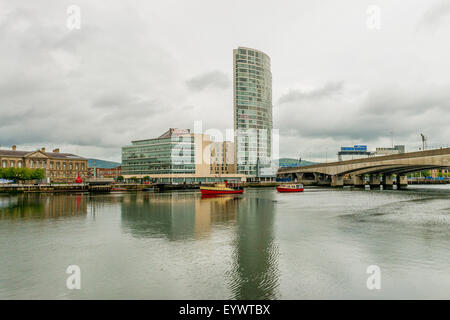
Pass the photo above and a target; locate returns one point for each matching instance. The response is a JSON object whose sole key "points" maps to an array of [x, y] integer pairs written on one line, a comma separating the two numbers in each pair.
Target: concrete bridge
{"points": [[381, 170]]}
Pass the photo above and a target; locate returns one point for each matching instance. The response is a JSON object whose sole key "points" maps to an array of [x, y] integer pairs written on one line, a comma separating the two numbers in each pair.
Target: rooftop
{"points": [[56, 155]]}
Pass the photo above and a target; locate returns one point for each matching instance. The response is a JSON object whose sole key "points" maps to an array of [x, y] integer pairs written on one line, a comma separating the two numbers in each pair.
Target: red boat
{"points": [[290, 188], [224, 188]]}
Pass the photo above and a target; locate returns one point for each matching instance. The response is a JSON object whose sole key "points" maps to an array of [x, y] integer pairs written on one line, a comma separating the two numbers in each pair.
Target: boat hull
{"points": [[281, 189], [211, 192]]}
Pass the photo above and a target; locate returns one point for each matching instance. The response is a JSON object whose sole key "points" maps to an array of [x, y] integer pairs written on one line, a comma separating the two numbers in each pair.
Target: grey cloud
{"points": [[371, 118], [213, 79], [436, 14], [328, 90], [401, 102], [108, 95], [122, 76]]}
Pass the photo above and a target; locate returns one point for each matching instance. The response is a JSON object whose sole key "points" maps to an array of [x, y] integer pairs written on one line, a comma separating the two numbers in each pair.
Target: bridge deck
{"points": [[407, 155]]}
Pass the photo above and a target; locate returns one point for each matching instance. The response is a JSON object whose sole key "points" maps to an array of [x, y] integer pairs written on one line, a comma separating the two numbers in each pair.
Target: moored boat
{"points": [[291, 188], [223, 188]]}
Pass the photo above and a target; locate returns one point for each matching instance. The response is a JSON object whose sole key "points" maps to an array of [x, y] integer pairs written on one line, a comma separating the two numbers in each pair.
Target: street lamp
{"points": [[424, 139]]}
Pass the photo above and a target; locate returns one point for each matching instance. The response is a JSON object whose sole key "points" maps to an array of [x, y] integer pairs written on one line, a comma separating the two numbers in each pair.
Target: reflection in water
{"points": [[253, 271], [254, 274], [35, 205], [168, 214], [259, 245], [175, 215]]}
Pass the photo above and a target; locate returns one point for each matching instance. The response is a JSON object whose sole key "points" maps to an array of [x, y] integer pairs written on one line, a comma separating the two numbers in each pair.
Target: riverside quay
{"points": [[381, 170]]}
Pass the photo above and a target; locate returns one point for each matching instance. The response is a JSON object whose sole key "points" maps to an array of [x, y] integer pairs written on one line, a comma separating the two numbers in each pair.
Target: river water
{"points": [[259, 245]]}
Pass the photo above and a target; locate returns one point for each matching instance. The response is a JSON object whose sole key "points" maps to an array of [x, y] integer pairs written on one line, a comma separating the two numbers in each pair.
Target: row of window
{"points": [[55, 174], [36, 164]]}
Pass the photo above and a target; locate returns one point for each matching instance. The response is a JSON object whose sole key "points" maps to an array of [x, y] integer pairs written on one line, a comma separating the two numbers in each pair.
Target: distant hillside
{"points": [[102, 164], [290, 162]]}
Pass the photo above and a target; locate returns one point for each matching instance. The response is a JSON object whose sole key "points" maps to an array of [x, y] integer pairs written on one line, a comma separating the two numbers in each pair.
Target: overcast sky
{"points": [[136, 68]]}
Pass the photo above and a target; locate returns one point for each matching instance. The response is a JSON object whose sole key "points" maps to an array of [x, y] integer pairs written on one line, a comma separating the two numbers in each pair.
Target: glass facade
{"points": [[252, 110], [171, 153]]}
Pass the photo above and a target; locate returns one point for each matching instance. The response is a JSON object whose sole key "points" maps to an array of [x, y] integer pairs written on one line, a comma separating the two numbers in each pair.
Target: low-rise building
{"points": [[101, 173], [101, 169], [389, 151], [440, 173], [57, 166], [355, 152]]}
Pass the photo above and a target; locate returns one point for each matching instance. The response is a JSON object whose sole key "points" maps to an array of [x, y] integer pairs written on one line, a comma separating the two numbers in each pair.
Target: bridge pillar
{"points": [[374, 181], [388, 182], [358, 181], [323, 180], [337, 181], [402, 182]]}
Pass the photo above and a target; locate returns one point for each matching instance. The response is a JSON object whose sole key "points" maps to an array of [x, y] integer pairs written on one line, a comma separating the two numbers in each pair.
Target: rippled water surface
{"points": [[260, 245]]}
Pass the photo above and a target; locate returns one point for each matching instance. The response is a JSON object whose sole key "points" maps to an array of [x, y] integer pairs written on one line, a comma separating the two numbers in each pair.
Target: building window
{"points": [[64, 166], [58, 165], [12, 164], [19, 164], [31, 164], [71, 166], [82, 166], [51, 164], [76, 166], [4, 163]]}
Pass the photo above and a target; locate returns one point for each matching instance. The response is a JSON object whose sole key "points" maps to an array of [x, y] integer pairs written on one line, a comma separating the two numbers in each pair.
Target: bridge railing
{"points": [[433, 147]]}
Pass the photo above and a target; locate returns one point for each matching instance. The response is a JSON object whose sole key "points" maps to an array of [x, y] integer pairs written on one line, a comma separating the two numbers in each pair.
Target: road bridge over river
{"points": [[381, 170]]}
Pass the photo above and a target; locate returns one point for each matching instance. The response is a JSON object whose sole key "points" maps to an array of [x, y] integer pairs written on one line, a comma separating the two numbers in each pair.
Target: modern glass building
{"points": [[177, 156], [171, 153], [252, 90]]}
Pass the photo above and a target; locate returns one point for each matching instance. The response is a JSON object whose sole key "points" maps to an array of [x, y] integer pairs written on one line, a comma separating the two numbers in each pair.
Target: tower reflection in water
{"points": [[253, 270], [255, 274]]}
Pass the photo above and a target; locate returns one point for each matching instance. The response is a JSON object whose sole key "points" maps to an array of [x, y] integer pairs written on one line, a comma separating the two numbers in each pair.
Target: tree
{"points": [[120, 178], [22, 174], [38, 174]]}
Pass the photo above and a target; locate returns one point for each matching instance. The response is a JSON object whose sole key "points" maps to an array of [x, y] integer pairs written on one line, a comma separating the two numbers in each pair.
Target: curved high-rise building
{"points": [[252, 91]]}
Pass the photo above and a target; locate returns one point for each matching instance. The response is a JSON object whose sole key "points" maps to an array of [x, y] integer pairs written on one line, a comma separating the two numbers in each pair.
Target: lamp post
{"points": [[423, 141]]}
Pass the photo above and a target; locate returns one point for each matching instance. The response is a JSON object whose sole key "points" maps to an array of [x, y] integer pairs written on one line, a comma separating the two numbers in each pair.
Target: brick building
{"points": [[57, 166], [101, 173]]}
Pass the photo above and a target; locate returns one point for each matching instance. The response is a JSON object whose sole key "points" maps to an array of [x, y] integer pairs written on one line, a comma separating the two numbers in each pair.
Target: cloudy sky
{"points": [[136, 68]]}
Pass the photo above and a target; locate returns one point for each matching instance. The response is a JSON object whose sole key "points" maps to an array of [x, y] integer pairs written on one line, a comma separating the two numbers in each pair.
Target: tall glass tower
{"points": [[252, 91]]}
